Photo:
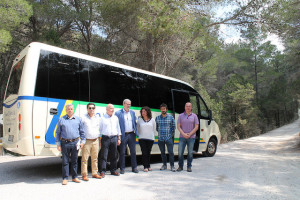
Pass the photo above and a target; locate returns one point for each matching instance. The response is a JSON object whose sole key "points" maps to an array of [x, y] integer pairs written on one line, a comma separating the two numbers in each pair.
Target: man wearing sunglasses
{"points": [[91, 124]]}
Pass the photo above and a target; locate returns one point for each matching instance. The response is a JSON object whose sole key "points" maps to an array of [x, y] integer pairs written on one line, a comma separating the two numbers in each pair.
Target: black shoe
{"points": [[122, 171], [135, 170], [179, 169], [189, 169]]}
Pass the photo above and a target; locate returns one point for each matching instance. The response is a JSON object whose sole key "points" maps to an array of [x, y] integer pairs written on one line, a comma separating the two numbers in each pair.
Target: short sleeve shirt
{"points": [[187, 122]]}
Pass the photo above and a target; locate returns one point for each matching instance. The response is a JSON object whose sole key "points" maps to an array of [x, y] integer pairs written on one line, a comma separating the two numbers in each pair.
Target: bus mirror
{"points": [[209, 116]]}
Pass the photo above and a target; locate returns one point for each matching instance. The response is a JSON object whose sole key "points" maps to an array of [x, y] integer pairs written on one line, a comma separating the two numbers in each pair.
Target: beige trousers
{"points": [[91, 147]]}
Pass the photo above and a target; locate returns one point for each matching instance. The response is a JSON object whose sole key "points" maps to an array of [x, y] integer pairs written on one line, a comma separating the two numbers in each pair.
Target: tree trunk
{"points": [[256, 79]]}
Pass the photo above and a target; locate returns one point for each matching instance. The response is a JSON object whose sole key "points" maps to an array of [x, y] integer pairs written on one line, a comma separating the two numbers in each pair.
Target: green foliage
{"points": [[12, 14], [250, 86], [5, 38], [163, 17], [238, 112], [282, 17]]}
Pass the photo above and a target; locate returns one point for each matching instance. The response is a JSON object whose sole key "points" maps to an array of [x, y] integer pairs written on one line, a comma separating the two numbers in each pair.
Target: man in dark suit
{"points": [[127, 120]]}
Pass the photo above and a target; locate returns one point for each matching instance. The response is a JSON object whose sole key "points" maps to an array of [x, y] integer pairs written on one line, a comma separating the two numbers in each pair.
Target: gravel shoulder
{"points": [[262, 167]]}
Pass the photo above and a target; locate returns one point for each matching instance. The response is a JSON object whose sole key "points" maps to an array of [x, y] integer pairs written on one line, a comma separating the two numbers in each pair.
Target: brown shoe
{"points": [[65, 182], [85, 178], [102, 174], [76, 180], [97, 176], [115, 173]]}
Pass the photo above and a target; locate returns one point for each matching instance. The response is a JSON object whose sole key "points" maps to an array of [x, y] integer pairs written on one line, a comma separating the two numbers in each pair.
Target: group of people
{"points": [[92, 132]]}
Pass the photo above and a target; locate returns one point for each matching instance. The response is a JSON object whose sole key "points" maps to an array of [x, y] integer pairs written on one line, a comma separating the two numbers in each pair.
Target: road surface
{"points": [[263, 167]]}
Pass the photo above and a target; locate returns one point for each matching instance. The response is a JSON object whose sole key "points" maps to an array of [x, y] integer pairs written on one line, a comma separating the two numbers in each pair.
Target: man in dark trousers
{"points": [[127, 120], [69, 130]]}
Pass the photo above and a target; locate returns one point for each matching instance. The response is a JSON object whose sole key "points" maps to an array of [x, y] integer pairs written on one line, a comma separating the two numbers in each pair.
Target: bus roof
{"points": [[99, 60]]}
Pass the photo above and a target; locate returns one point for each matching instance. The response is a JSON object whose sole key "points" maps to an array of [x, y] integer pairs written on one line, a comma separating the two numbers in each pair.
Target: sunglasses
{"points": [[92, 108]]}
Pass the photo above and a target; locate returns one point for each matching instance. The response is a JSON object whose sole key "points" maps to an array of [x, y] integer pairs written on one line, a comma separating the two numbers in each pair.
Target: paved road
{"points": [[263, 167]]}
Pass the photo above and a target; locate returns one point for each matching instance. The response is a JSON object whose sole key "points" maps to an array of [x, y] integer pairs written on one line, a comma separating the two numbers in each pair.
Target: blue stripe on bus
{"points": [[49, 137], [19, 98], [29, 98]]}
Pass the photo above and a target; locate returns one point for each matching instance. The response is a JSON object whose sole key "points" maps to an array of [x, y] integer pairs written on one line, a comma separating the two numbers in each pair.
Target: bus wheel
{"points": [[211, 148]]}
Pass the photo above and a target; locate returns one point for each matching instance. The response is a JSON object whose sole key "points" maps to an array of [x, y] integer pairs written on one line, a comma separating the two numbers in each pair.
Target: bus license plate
{"points": [[11, 138]]}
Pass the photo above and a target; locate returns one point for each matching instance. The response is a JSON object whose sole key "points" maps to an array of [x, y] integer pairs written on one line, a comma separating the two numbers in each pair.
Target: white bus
{"points": [[44, 79]]}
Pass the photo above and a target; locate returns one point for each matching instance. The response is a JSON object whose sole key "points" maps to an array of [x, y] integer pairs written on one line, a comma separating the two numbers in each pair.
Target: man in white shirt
{"points": [[111, 138], [91, 124]]}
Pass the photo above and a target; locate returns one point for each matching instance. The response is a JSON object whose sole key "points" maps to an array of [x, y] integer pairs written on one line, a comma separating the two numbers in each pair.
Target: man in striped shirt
{"points": [[165, 126]]}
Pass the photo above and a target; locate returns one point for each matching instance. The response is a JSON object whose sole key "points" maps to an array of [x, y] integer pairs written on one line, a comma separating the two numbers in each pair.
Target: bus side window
{"points": [[203, 109], [63, 80], [84, 82], [153, 91], [180, 99], [42, 82], [15, 78], [111, 84]]}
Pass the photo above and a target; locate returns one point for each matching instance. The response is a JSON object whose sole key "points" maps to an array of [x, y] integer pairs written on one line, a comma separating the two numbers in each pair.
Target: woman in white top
{"points": [[146, 127]]}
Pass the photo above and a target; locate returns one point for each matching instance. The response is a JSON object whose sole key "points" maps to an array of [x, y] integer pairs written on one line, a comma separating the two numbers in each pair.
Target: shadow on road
{"points": [[31, 171], [47, 170]]}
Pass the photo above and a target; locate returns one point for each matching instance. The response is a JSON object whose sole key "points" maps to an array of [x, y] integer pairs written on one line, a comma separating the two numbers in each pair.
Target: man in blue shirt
{"points": [[127, 120], [165, 126], [69, 129]]}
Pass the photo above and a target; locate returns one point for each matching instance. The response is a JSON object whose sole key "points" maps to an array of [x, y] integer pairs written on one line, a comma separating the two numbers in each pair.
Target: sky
{"points": [[230, 34]]}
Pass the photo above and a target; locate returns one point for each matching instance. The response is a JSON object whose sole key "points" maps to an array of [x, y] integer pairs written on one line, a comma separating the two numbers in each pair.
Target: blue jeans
{"points": [[108, 146], [169, 144], [69, 149], [129, 139], [190, 145]]}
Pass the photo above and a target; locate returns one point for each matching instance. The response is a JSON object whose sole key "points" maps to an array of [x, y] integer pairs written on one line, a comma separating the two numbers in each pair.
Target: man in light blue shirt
{"points": [[69, 130]]}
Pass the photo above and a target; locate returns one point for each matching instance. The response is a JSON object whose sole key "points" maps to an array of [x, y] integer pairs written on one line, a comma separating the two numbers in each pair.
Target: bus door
{"points": [[194, 99], [205, 120], [180, 97]]}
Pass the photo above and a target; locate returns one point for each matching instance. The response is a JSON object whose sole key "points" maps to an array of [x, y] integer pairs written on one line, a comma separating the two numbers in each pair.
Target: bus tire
{"points": [[211, 148]]}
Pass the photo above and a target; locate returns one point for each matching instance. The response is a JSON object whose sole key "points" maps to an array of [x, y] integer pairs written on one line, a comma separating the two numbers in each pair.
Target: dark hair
{"points": [[163, 105], [90, 104], [149, 113]]}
